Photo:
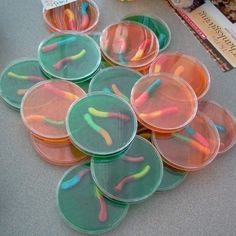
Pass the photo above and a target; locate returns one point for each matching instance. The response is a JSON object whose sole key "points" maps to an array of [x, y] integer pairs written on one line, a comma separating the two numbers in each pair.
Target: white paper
{"points": [[50, 4]]}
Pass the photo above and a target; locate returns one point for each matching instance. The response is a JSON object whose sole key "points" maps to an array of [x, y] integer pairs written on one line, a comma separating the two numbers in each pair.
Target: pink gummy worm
{"points": [[121, 184], [54, 90], [141, 99], [201, 139], [118, 115], [103, 210], [35, 78], [169, 110], [84, 22], [60, 63], [49, 47], [72, 25], [145, 44], [83, 172], [133, 159]]}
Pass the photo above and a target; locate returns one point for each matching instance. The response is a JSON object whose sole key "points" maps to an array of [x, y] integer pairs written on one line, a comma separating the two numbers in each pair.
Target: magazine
{"points": [[213, 22]]}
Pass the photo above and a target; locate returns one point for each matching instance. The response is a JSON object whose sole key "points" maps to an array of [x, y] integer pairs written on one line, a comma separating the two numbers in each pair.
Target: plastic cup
{"points": [[79, 16]]}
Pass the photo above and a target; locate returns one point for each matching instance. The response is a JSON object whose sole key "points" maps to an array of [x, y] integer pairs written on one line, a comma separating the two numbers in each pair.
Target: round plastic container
{"points": [[224, 122], [81, 15], [17, 78], [71, 56], [192, 148], [171, 179], [132, 176], [163, 103], [157, 25], [129, 44], [115, 80], [45, 105], [101, 124], [83, 207], [186, 67], [58, 154]]}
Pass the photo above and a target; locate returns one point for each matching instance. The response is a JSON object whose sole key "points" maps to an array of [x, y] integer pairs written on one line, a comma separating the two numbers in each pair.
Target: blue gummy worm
{"points": [[84, 7], [70, 183], [65, 41], [190, 130], [220, 128], [154, 85], [107, 90], [121, 58]]}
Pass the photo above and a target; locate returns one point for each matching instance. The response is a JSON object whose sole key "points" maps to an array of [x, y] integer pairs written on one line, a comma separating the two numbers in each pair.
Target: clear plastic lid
{"points": [[17, 78], [81, 15], [83, 206], [71, 56], [224, 122], [192, 148], [129, 44], [45, 105], [115, 80], [163, 103], [101, 124], [133, 176], [58, 154], [186, 67]]}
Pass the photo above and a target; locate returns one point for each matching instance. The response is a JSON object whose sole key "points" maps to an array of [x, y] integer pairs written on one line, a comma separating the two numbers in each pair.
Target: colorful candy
{"points": [[197, 136], [106, 136], [159, 113], [129, 178], [85, 18], [61, 93], [45, 120], [75, 57], [103, 207], [133, 159], [103, 114], [24, 77], [60, 43], [146, 94], [21, 92], [193, 143], [71, 19], [75, 180], [220, 128], [117, 92], [141, 50]]}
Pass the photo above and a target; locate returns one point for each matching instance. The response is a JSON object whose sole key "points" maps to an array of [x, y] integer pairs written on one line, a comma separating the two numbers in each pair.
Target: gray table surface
{"points": [[203, 205]]}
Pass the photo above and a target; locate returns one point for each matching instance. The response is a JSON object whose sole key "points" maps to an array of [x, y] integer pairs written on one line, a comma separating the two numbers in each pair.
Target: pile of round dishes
{"points": [[131, 134]]}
